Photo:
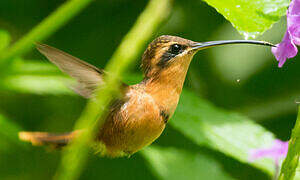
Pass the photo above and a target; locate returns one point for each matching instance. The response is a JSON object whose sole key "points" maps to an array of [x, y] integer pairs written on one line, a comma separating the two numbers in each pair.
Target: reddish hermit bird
{"points": [[140, 116]]}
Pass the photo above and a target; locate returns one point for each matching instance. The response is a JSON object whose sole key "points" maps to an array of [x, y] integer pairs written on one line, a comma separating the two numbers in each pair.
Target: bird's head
{"points": [[172, 53]]}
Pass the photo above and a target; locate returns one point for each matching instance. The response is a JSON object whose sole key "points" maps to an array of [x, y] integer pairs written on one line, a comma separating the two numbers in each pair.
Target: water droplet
{"points": [[238, 6], [249, 35], [270, 9], [246, 36]]}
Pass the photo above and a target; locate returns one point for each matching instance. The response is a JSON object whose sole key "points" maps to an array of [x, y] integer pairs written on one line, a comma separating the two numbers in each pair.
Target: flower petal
{"points": [[286, 49], [277, 151], [293, 23], [294, 8]]}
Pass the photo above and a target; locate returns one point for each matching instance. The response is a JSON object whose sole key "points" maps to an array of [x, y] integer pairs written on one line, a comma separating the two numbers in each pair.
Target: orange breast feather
{"points": [[131, 124]]}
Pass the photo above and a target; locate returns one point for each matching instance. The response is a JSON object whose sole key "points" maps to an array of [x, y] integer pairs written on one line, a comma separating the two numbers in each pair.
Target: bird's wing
{"points": [[88, 76]]}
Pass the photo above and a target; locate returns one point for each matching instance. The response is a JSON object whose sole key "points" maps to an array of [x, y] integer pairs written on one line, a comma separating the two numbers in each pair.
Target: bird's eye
{"points": [[172, 52], [176, 49]]}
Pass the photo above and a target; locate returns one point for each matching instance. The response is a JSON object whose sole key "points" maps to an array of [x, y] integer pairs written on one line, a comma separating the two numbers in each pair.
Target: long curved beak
{"points": [[204, 45]]}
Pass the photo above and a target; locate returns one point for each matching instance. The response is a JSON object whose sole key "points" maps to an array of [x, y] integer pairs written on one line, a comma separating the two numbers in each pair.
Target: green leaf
{"points": [[9, 134], [171, 163], [27, 76], [37, 84], [291, 162], [227, 132], [45, 28], [33, 67], [4, 39], [251, 17]]}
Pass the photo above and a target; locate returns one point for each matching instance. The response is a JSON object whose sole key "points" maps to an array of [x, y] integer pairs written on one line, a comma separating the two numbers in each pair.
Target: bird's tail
{"points": [[44, 138]]}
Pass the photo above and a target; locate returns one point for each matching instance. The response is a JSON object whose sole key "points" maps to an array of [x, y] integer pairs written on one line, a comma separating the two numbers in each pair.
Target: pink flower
{"points": [[287, 48], [276, 152]]}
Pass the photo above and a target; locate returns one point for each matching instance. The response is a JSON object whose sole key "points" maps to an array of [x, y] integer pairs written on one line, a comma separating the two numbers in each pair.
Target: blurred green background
{"points": [[239, 78]]}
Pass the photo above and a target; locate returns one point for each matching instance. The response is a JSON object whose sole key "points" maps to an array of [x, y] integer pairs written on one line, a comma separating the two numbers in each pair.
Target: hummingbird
{"points": [[138, 117]]}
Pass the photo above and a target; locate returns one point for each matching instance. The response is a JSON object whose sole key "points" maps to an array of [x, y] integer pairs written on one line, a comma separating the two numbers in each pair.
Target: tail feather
{"points": [[45, 138]]}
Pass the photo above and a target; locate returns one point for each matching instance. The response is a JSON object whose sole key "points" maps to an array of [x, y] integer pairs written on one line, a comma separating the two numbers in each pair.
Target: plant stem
{"points": [[291, 161], [48, 26], [94, 114]]}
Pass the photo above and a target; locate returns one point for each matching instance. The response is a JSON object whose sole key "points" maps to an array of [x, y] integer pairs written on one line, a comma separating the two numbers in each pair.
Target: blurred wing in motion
{"points": [[88, 76]]}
